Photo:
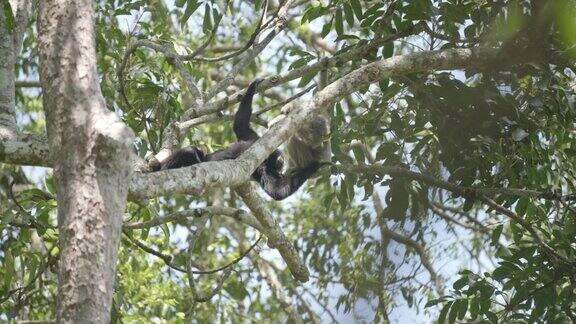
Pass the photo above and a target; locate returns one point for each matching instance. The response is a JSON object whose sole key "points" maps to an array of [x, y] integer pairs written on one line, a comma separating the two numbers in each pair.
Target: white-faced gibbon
{"points": [[268, 174]]}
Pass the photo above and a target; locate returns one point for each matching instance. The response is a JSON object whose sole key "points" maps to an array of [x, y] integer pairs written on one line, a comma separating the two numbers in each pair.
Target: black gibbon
{"points": [[268, 174]]}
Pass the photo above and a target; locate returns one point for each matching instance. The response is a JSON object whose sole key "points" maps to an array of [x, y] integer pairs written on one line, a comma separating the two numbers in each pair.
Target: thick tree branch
{"points": [[10, 44], [273, 232], [25, 149], [27, 84]]}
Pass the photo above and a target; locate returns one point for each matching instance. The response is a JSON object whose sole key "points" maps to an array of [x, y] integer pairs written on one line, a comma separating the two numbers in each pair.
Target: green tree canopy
{"points": [[452, 140]]}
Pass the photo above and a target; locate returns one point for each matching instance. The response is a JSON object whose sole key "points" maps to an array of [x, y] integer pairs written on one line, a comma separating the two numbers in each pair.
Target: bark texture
{"points": [[90, 153], [10, 44]]}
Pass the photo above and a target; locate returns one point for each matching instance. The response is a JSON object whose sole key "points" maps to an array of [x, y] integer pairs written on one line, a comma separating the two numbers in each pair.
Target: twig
{"points": [[281, 104], [421, 253], [271, 278], [399, 171], [528, 227], [453, 39], [219, 284], [207, 42], [32, 223], [28, 84], [280, 23], [171, 56], [164, 257], [238, 259], [218, 116], [259, 27], [168, 258], [238, 214]]}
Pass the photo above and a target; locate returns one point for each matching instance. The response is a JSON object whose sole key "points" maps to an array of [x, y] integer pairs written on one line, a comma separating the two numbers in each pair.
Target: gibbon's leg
{"points": [[231, 152], [183, 157], [241, 125], [281, 186]]}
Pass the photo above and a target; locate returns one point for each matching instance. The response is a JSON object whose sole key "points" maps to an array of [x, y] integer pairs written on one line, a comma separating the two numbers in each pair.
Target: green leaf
{"points": [[207, 22], [349, 14], [388, 50], [50, 184], [313, 13], [343, 195], [434, 302], [338, 22], [460, 283], [444, 312], [191, 7], [454, 311], [358, 154], [306, 78], [522, 206], [519, 134], [237, 290], [299, 63], [496, 234], [492, 317], [462, 308], [385, 150], [357, 7], [326, 28], [474, 308]]}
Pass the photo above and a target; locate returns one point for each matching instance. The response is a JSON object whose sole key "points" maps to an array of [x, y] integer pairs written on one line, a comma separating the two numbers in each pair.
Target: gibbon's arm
{"points": [[242, 118], [281, 186]]}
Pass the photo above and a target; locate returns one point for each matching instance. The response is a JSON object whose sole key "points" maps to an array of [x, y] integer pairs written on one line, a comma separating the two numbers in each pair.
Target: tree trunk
{"points": [[90, 149]]}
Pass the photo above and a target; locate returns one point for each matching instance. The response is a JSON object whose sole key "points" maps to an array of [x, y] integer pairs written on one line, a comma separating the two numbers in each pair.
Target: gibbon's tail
{"points": [[242, 118]]}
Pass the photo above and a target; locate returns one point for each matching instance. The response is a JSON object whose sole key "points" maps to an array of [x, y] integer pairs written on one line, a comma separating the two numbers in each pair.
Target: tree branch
{"points": [[168, 258], [273, 232], [399, 171], [171, 56], [276, 286], [181, 216], [249, 43]]}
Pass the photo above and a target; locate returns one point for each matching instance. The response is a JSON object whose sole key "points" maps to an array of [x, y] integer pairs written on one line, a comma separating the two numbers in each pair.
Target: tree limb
{"points": [[273, 232]]}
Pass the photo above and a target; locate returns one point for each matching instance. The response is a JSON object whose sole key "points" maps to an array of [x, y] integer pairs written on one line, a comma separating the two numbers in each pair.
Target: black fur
{"points": [[268, 174]]}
